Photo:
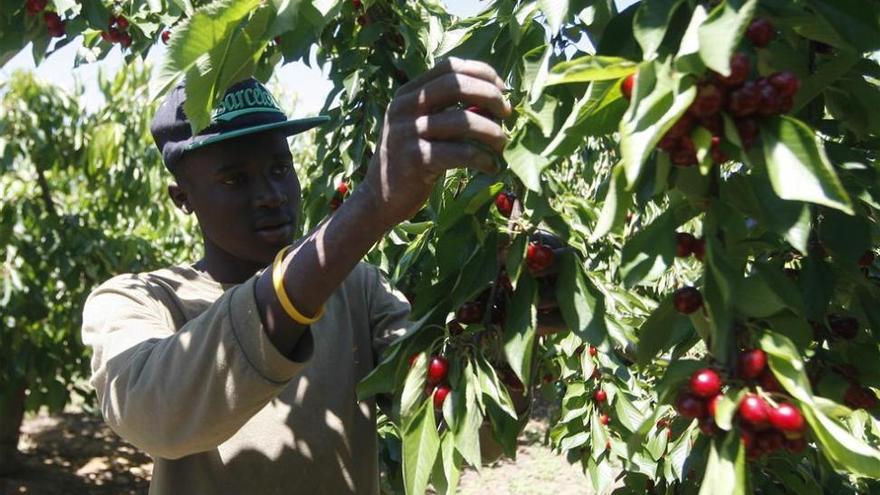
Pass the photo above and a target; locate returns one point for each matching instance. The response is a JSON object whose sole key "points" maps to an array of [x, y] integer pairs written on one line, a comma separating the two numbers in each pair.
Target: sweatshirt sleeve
{"points": [[389, 311], [175, 393]]}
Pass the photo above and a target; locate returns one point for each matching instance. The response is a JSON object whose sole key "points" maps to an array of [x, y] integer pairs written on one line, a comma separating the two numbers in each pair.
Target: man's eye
{"points": [[232, 180], [283, 168]]}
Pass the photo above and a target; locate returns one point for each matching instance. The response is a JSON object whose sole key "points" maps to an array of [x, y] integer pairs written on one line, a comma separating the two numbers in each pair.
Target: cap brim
{"points": [[288, 127]]}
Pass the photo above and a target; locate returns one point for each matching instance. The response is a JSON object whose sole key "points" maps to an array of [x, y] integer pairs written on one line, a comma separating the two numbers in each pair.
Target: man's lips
{"points": [[272, 225]]}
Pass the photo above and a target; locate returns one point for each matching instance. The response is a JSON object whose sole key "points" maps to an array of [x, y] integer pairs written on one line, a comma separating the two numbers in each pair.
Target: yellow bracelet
{"points": [[281, 294]]}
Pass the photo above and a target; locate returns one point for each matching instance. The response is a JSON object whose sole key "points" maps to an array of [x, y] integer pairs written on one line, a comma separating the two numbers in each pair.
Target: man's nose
{"points": [[269, 193]]}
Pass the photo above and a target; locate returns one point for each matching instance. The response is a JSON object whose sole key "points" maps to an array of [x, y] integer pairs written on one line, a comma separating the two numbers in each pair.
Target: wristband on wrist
{"points": [[281, 294]]}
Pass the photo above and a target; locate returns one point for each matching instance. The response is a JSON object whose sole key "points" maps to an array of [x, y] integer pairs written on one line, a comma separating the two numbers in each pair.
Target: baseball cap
{"points": [[246, 108]]}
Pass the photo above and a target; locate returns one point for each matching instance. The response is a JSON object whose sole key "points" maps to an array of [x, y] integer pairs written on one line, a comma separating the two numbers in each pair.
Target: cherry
{"points": [[593, 351], [668, 144], [786, 418], [512, 381], [335, 203], [342, 188], [54, 24], [480, 111], [34, 7], [745, 100], [504, 203], [437, 369], [858, 397], [357, 4], [683, 157], [751, 363], [708, 102], [690, 406], [770, 441], [125, 40], [470, 312], [362, 20], [120, 21], [795, 445], [682, 127], [708, 427], [684, 244], [866, 259], [687, 300], [440, 394], [455, 328], [753, 410], [166, 35], [714, 124], [412, 359], [626, 86], [760, 32], [712, 404], [740, 67], [769, 382], [771, 100], [845, 327], [785, 82], [600, 395], [604, 419], [699, 248], [705, 383], [662, 423], [748, 131], [539, 257], [549, 378]]}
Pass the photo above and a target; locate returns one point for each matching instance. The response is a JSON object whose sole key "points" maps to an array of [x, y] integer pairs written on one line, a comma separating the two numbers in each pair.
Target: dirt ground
{"points": [[76, 454]]}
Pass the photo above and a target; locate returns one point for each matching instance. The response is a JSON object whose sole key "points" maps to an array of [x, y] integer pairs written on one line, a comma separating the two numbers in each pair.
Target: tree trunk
{"points": [[11, 414]]}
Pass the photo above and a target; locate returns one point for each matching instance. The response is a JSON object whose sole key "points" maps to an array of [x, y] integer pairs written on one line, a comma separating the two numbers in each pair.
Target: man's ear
{"points": [[179, 197]]}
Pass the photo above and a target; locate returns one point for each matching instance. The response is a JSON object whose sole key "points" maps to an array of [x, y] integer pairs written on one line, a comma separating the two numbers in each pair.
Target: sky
{"points": [[301, 79]]}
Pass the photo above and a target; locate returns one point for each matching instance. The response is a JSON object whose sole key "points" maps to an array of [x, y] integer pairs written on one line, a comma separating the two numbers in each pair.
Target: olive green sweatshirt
{"points": [[184, 370]]}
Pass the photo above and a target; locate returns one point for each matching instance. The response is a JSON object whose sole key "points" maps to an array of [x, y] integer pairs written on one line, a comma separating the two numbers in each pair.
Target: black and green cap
{"points": [[247, 108]]}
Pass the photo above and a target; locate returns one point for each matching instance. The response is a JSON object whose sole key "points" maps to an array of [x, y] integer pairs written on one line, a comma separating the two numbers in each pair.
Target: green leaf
{"points": [[847, 237], [467, 431], [480, 189], [420, 446], [492, 388], [726, 468], [526, 162], [842, 448], [655, 332], [581, 304], [726, 409], [650, 23], [447, 468], [626, 412], [647, 255], [589, 68], [598, 436], [660, 97], [722, 31], [798, 167], [519, 328], [413, 394], [556, 12], [787, 365], [615, 206]]}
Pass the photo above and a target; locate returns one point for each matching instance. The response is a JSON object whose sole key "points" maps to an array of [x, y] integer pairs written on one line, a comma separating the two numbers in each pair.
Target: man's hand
{"points": [[418, 143]]}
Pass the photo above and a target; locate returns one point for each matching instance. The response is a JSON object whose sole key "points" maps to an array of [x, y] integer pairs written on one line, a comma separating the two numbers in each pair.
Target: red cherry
{"points": [[771, 100], [748, 130], [858, 397], [708, 427], [712, 404], [687, 300], [745, 100], [795, 445], [713, 124], [600, 395], [699, 248], [593, 351], [760, 32], [549, 378], [440, 394], [121, 22], [277, 40], [708, 102], [412, 359], [470, 312], [751, 363], [455, 328], [125, 40], [690, 406], [437, 369], [753, 410], [342, 188], [682, 127], [669, 434], [335, 203], [166, 35], [684, 158], [770, 441], [740, 66], [357, 4], [785, 82], [845, 327], [684, 244], [662, 423], [504, 203], [626, 86], [512, 381], [604, 419], [362, 20], [769, 382], [668, 144], [108, 37], [539, 257], [867, 259], [786, 417], [34, 7], [705, 383]]}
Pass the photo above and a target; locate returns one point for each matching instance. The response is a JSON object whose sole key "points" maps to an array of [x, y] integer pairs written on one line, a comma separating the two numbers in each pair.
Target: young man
{"points": [[241, 379]]}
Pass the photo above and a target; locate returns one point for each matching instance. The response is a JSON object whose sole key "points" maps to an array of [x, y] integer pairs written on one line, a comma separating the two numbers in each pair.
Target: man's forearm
{"points": [[317, 265]]}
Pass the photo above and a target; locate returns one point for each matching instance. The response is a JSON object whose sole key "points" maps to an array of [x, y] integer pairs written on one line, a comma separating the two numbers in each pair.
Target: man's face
{"points": [[245, 194]]}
